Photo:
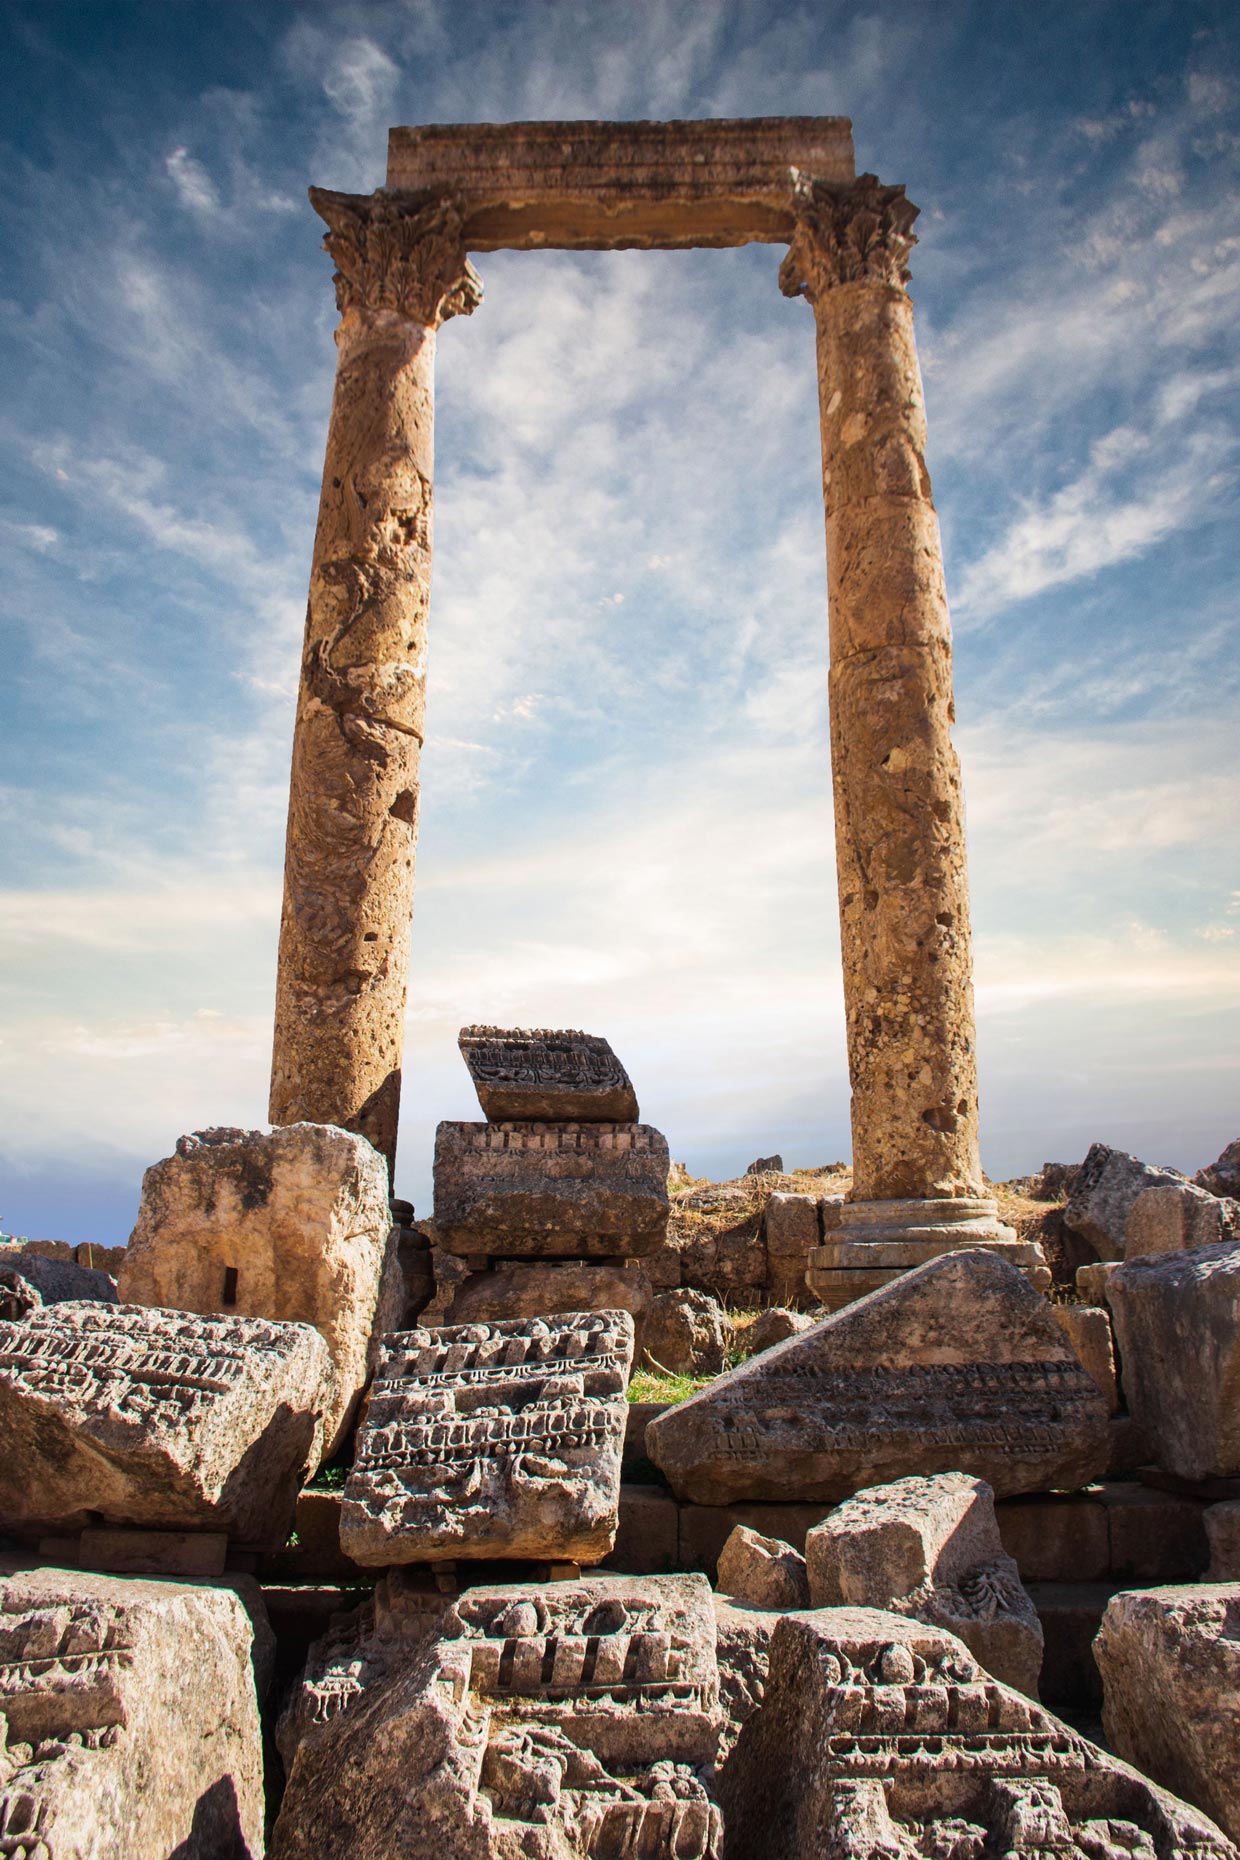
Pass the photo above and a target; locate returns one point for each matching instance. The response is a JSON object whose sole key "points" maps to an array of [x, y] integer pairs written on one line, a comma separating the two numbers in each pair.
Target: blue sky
{"points": [[626, 805]]}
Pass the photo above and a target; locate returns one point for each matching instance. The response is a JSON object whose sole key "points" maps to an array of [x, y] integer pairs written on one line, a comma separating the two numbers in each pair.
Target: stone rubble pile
{"points": [[560, 1184], [861, 1680]]}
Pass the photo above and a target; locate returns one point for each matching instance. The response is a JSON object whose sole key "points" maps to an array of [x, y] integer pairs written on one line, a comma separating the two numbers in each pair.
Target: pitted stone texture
{"points": [[575, 1722], [899, 812], [1177, 1328], [353, 791], [298, 1216], [792, 1230], [529, 1190], [880, 1736], [1106, 1185], [52, 1280], [544, 1287], [956, 1367], [1088, 1330], [545, 1075], [930, 1548], [775, 1325], [1179, 1219], [608, 185], [878, 1241], [762, 1572], [126, 1415], [129, 1724], [686, 1333], [1170, 1664], [484, 1440], [1223, 1176], [1222, 1524]]}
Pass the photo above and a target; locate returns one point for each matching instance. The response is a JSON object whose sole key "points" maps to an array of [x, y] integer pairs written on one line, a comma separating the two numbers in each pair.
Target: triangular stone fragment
{"points": [[959, 1366]]}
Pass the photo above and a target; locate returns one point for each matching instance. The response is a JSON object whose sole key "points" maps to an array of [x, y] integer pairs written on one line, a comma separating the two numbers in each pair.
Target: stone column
{"points": [[353, 797], [899, 814]]}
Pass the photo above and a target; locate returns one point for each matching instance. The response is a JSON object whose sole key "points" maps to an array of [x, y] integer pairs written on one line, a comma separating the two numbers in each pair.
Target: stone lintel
{"points": [[606, 186]]}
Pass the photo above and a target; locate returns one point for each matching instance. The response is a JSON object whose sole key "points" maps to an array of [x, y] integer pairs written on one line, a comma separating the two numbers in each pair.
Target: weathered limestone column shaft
{"points": [[353, 800], [899, 815]]}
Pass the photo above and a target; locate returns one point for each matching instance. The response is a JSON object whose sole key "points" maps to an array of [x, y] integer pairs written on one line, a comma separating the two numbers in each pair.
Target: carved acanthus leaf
{"points": [[860, 234], [401, 252]]}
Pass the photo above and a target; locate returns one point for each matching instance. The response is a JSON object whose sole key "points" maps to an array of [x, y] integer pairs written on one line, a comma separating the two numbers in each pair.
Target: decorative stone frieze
{"points": [[163, 1419], [575, 1720], [545, 1074], [130, 1718], [484, 1440], [958, 1366], [877, 1735], [551, 1190]]}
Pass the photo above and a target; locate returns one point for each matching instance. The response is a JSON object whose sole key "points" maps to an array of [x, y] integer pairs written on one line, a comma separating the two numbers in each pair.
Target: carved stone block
{"points": [[579, 1721], [540, 1288], [292, 1223], [486, 1440], [877, 1735], [161, 1419], [132, 1720], [930, 1548], [531, 1190], [545, 1074], [1170, 1663], [762, 1571], [957, 1366], [1177, 1328]]}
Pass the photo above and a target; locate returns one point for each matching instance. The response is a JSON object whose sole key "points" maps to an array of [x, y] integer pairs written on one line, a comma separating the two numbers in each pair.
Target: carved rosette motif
{"points": [[398, 252], [860, 234]]}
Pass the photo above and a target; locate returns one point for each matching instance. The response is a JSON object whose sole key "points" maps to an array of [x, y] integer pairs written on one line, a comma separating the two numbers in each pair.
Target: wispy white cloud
{"points": [[194, 187]]}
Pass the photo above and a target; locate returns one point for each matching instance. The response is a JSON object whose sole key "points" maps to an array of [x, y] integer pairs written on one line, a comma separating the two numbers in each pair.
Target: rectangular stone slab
{"points": [[540, 1190], [485, 1440], [162, 1419], [603, 186], [546, 1074], [133, 1721], [957, 1366]]}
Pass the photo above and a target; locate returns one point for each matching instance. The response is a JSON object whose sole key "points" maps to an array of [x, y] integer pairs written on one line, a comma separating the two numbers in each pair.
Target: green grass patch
{"points": [[649, 1386]]}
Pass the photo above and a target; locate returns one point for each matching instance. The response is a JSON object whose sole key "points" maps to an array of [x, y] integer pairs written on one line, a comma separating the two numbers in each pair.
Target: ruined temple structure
{"points": [[402, 270]]}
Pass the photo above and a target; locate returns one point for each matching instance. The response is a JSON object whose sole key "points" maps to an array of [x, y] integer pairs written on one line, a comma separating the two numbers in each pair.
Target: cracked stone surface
{"points": [[958, 1366], [291, 1224], [930, 1548], [1170, 1665], [572, 1722], [162, 1419], [129, 1725], [484, 1440], [881, 1736]]}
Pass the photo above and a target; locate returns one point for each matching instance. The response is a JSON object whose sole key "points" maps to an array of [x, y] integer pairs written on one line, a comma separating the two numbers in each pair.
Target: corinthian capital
{"points": [[401, 252], [859, 234]]}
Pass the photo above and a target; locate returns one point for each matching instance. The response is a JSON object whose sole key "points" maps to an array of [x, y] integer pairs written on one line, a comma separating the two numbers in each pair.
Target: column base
{"points": [[878, 1241]]}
